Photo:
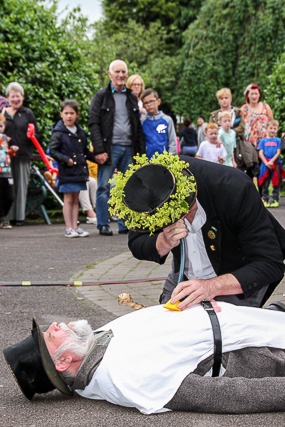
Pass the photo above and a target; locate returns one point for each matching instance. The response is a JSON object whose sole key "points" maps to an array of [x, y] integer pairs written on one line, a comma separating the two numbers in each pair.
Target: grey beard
{"points": [[91, 361]]}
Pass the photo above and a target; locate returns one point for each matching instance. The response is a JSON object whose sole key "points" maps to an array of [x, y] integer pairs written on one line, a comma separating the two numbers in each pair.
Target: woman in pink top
{"points": [[256, 114]]}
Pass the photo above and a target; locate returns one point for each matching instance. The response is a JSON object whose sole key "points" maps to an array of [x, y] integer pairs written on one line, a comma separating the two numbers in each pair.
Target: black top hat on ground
{"points": [[33, 367]]}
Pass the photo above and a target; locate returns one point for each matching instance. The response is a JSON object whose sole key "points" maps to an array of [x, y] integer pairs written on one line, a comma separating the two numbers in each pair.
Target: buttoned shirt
{"points": [[197, 263]]}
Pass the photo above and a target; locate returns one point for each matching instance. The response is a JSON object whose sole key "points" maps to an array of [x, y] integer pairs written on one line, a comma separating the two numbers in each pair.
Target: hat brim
{"points": [[48, 364]]}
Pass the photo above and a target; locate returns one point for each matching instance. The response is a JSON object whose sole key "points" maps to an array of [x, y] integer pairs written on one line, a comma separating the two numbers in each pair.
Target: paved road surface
{"points": [[40, 253]]}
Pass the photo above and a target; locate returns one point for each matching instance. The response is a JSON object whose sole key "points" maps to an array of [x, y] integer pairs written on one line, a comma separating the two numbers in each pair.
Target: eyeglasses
{"points": [[152, 101], [136, 84]]}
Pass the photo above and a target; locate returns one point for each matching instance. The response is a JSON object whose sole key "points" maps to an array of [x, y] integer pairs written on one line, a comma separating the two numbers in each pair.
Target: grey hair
{"points": [[111, 66], [79, 338], [16, 87]]}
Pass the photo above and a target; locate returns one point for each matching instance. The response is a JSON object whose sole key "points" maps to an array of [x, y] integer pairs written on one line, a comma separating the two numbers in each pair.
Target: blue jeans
{"points": [[121, 158], [189, 151]]}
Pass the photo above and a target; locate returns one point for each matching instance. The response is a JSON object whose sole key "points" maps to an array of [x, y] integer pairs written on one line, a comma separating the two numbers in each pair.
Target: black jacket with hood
{"points": [[66, 145]]}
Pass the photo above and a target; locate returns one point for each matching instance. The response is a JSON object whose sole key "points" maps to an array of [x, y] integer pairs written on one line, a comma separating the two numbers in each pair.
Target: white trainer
{"points": [[81, 233], [91, 220], [5, 223], [70, 232]]}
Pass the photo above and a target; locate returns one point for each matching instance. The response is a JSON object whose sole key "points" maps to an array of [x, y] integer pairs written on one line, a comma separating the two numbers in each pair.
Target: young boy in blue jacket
{"points": [[158, 128], [271, 168]]}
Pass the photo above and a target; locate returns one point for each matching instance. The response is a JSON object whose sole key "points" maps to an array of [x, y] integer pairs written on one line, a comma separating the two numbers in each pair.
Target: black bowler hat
{"points": [[33, 367], [149, 188], [153, 194]]}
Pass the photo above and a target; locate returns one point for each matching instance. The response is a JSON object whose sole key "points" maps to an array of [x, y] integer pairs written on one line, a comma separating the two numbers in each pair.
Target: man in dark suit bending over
{"points": [[234, 246]]}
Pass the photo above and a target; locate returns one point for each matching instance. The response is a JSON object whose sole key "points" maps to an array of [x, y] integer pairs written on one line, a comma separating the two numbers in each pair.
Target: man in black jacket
{"points": [[116, 135], [234, 246]]}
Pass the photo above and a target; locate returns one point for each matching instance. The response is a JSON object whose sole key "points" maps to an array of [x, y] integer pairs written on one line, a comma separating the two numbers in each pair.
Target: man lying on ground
{"points": [[158, 360]]}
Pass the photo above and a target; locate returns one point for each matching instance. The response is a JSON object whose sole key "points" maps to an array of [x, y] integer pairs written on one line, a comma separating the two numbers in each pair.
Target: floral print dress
{"points": [[255, 124]]}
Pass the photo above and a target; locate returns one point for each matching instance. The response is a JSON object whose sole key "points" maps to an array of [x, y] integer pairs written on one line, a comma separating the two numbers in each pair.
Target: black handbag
{"points": [[282, 147]]}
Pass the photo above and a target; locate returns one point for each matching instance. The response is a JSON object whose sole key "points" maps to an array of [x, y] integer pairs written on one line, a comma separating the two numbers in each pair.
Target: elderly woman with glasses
{"points": [[136, 84]]}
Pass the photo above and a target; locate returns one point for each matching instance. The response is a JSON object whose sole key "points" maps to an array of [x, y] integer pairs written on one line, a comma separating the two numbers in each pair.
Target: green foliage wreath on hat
{"points": [[170, 211]]}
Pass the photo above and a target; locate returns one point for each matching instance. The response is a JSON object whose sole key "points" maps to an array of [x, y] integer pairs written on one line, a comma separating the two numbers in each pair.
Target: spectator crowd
{"points": [[125, 119]]}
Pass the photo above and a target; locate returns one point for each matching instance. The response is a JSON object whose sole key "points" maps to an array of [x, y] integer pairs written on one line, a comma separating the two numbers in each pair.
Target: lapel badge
{"points": [[211, 235]]}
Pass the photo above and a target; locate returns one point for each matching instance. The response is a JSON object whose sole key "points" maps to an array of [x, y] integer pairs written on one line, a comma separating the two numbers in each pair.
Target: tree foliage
{"points": [[275, 91], [187, 12], [118, 12], [232, 43], [41, 55]]}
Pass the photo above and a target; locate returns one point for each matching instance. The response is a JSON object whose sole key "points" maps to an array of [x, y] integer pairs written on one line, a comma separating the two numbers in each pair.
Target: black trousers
{"points": [[7, 196]]}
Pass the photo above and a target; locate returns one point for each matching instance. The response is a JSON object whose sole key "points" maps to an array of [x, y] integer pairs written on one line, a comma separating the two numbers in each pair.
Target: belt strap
{"points": [[217, 337]]}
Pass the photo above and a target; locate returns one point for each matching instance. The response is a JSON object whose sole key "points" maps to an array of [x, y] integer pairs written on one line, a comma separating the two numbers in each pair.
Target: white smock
{"points": [[154, 349]]}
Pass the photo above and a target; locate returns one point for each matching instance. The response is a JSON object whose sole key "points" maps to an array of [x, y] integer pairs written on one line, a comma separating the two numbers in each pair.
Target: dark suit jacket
{"points": [[240, 235]]}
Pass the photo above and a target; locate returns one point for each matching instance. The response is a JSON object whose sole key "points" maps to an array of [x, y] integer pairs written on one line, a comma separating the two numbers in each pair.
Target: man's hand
{"points": [[101, 158], [170, 237], [194, 291]]}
